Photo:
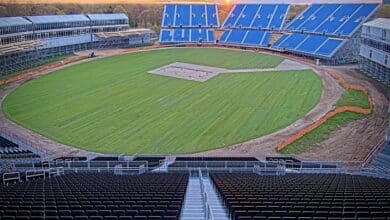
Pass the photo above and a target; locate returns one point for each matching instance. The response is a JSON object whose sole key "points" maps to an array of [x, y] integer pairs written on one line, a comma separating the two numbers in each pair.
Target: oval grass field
{"points": [[114, 105]]}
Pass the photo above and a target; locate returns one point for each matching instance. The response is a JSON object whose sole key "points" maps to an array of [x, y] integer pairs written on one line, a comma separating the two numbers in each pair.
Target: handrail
{"points": [[10, 178], [374, 151], [208, 211]]}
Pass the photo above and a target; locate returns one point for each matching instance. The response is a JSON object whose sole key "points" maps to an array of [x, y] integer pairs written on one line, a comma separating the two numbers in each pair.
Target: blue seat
{"points": [[236, 36], [181, 35], [329, 47], [182, 17], [224, 36], [254, 37], [211, 36], [312, 43], [356, 19], [263, 18], [233, 16], [293, 41], [247, 15], [169, 14], [198, 15], [279, 41], [340, 16], [299, 20], [317, 18], [278, 17], [166, 36], [332, 19], [199, 35], [212, 16]]}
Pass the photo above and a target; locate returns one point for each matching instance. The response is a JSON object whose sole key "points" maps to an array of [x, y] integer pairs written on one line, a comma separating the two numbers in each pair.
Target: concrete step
{"points": [[193, 207]]}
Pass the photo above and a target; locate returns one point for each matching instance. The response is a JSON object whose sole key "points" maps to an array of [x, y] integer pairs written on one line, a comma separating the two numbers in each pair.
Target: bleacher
{"points": [[95, 196], [257, 16], [250, 38], [190, 15], [303, 196], [332, 19], [187, 35], [10, 150], [317, 45], [189, 23], [322, 29], [250, 24]]}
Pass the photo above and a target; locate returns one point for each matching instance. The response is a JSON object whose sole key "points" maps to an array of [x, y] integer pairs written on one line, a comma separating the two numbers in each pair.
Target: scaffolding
{"points": [[26, 42]]}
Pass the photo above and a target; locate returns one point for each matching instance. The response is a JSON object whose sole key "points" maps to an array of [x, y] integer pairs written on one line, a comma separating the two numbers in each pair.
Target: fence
{"points": [[261, 167], [24, 143]]}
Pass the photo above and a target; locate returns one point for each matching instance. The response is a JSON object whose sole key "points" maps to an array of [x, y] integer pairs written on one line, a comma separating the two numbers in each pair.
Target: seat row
{"points": [[252, 196], [95, 196]]}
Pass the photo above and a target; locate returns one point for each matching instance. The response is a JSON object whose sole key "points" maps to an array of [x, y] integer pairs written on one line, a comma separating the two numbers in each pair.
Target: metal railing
{"points": [[208, 212], [287, 166], [24, 143]]}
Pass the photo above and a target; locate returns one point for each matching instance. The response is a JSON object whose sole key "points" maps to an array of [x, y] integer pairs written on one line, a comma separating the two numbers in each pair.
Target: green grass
{"points": [[354, 98], [47, 61], [2, 87], [113, 104], [321, 133]]}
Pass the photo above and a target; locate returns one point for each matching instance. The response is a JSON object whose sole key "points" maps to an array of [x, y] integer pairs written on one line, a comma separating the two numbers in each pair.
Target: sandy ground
{"points": [[355, 148], [203, 73], [353, 141]]}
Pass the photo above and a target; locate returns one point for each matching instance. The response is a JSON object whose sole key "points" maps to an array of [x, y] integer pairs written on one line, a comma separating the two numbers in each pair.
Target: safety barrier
{"points": [[11, 176]]}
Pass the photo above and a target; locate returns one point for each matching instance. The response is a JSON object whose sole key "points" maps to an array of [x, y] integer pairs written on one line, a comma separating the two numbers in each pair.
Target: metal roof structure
{"points": [[13, 21], [383, 23], [103, 17], [46, 19]]}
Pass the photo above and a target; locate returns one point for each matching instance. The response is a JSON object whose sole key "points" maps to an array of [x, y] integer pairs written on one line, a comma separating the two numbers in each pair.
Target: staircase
{"points": [[274, 37], [194, 203], [193, 208], [218, 211]]}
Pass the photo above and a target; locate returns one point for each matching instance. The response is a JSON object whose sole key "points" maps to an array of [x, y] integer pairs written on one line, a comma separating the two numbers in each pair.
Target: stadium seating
{"points": [[315, 45], [95, 196], [332, 19], [247, 24], [303, 196], [10, 150], [186, 35], [190, 15], [254, 38], [257, 16], [189, 23]]}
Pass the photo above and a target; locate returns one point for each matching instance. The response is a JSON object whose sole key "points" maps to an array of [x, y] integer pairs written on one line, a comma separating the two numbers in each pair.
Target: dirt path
{"points": [[353, 141]]}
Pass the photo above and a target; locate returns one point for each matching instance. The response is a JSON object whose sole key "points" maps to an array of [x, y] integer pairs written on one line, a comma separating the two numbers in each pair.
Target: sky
{"points": [[215, 1]]}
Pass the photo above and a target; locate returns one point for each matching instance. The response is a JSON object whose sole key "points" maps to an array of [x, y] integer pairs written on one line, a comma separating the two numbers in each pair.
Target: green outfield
{"points": [[113, 105]]}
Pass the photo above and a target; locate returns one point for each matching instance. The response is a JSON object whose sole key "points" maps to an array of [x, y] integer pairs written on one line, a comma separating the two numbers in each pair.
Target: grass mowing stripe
{"points": [[113, 105]]}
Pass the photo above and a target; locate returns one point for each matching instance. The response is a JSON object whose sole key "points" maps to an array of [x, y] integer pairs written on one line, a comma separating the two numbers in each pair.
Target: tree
{"points": [[3, 11], [119, 9]]}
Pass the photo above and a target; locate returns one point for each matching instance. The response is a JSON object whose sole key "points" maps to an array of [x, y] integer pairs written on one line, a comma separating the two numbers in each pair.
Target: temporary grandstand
{"points": [[189, 23], [27, 41], [327, 32], [375, 50]]}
